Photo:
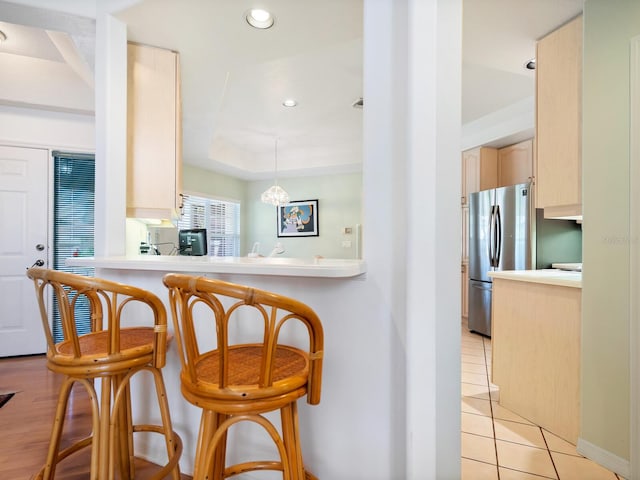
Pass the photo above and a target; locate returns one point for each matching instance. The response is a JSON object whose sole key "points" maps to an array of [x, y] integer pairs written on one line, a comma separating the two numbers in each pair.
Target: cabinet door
{"points": [[465, 290], [515, 164], [480, 170], [153, 143], [465, 234], [558, 122]]}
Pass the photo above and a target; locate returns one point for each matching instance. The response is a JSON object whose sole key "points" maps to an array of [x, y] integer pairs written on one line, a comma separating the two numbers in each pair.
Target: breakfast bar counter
{"points": [[281, 266], [328, 286]]}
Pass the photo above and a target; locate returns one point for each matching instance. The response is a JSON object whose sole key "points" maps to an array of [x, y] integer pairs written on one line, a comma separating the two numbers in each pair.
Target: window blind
{"points": [[73, 224], [220, 218]]}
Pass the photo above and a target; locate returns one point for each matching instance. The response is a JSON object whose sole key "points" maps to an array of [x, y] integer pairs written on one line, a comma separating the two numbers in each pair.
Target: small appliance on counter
{"points": [[571, 267], [192, 242]]}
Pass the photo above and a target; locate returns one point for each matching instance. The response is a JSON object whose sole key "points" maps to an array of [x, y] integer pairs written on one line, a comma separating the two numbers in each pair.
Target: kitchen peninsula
{"points": [[280, 266], [535, 342], [318, 282]]}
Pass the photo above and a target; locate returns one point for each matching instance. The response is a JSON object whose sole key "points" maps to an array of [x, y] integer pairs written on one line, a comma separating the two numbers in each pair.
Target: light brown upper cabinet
{"points": [[559, 121], [154, 158], [515, 163], [479, 171]]}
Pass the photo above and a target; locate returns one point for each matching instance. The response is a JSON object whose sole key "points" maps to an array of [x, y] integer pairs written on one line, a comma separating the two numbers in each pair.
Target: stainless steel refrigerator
{"points": [[507, 233]]}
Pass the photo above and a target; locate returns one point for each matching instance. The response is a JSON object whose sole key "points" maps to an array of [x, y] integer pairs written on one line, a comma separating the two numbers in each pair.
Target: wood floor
{"points": [[25, 422]]}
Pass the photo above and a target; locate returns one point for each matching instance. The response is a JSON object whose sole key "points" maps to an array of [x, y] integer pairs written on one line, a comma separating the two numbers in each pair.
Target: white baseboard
{"points": [[607, 459]]}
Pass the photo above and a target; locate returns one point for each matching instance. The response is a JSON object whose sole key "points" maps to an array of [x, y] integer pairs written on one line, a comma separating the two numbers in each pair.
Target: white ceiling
{"points": [[234, 78]]}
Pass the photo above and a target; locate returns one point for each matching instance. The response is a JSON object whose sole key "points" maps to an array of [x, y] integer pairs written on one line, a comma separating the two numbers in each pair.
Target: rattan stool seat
{"points": [[290, 371]]}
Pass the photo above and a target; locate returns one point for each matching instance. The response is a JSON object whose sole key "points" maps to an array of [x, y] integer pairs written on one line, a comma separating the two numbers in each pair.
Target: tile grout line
{"points": [[549, 451], [493, 425], [486, 347]]}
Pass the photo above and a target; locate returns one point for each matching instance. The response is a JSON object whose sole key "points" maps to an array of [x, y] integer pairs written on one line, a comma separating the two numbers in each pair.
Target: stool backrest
{"points": [[223, 301], [106, 302]]}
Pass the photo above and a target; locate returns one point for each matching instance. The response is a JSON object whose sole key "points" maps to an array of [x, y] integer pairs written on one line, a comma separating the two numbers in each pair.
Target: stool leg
{"points": [[123, 431], [220, 455], [209, 423], [56, 431], [166, 419], [105, 470], [89, 385], [291, 439], [207, 429]]}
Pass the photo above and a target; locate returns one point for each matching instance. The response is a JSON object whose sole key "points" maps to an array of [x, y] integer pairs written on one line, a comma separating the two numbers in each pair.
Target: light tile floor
{"points": [[497, 444]]}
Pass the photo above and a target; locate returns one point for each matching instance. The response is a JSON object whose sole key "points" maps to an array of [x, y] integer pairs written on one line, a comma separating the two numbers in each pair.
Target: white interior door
{"points": [[23, 241]]}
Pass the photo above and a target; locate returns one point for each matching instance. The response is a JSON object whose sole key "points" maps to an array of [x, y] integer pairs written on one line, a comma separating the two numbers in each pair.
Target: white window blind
{"points": [[220, 218], [73, 225]]}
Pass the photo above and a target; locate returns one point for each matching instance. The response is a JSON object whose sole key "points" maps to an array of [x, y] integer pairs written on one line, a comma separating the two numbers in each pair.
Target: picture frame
{"points": [[298, 219]]}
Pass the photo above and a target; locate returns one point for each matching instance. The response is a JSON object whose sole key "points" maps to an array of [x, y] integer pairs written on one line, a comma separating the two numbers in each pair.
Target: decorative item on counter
{"points": [[277, 250], [255, 251]]}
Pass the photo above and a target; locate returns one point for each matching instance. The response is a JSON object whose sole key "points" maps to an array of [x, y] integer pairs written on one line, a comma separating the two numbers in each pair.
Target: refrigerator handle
{"points": [[491, 218], [498, 246]]}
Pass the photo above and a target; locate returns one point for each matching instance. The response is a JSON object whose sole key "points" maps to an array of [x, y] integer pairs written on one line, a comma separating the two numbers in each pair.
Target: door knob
{"points": [[37, 263], [40, 247]]}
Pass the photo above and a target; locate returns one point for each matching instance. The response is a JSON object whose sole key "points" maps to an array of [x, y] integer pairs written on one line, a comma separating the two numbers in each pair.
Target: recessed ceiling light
{"points": [[531, 64], [290, 102], [3, 37], [259, 18]]}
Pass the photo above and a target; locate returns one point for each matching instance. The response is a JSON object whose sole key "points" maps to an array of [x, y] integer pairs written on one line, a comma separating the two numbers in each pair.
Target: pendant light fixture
{"points": [[275, 195]]}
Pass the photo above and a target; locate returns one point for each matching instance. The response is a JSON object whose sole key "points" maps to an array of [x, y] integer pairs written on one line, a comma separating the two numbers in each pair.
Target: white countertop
{"points": [[577, 267], [293, 267], [563, 278]]}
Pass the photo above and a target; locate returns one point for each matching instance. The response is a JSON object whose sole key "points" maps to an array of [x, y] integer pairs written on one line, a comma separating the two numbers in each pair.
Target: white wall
{"points": [[198, 180], [48, 129], [339, 205]]}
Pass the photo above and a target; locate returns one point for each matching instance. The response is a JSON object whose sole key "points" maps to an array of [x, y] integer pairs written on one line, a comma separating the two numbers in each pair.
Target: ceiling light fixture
{"points": [[531, 64], [259, 18], [3, 37], [290, 102], [275, 195]]}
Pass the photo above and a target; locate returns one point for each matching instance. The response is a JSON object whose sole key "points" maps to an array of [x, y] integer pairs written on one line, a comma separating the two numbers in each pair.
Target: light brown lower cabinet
{"points": [[465, 289], [535, 345]]}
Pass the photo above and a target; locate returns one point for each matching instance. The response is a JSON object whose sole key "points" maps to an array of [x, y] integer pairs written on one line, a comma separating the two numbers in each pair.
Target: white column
{"points": [[111, 135], [433, 273], [412, 217]]}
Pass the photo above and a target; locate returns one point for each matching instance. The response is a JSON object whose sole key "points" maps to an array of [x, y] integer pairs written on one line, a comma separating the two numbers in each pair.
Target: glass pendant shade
{"points": [[275, 195]]}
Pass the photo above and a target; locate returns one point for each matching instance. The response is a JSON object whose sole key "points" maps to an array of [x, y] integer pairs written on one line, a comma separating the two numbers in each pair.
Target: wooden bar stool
{"points": [[238, 381], [111, 354]]}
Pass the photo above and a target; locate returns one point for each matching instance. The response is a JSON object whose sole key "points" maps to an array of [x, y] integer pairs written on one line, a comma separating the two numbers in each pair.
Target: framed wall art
{"points": [[298, 219]]}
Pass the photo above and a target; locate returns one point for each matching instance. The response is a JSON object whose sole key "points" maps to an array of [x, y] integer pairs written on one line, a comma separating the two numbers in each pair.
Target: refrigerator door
{"points": [[480, 307], [480, 234], [513, 233]]}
